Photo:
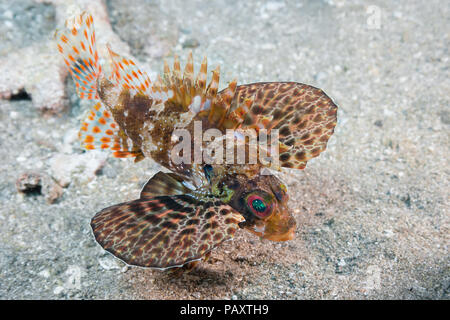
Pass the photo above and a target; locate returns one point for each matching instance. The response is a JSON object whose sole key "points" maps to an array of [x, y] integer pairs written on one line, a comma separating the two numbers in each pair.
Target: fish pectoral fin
{"points": [[304, 117], [166, 231]]}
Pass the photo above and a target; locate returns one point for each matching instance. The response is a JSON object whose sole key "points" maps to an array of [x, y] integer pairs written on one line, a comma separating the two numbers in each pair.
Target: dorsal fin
{"points": [[195, 95], [164, 184]]}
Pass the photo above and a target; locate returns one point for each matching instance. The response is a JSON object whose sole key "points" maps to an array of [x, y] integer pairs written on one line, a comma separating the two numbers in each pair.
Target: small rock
{"points": [[108, 263], [45, 273], [378, 123], [86, 165], [191, 43], [58, 290], [39, 183]]}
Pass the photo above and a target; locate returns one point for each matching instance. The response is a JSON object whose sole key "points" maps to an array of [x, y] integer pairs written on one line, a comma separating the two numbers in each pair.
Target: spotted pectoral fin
{"points": [[163, 184], [304, 116], [100, 131], [166, 231]]}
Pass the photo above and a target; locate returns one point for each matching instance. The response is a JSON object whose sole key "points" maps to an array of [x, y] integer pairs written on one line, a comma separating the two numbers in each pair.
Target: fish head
{"points": [[263, 203]]}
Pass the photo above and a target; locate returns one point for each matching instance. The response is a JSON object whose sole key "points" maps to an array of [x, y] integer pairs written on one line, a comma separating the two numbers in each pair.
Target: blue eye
{"points": [[258, 205]]}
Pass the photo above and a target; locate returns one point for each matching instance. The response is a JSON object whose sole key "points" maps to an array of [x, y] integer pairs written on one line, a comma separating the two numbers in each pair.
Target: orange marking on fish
{"points": [[135, 74], [82, 67], [75, 49], [60, 48], [96, 129], [82, 45], [105, 146], [89, 139], [89, 147], [113, 125], [116, 147], [125, 61], [106, 114], [74, 31], [105, 140], [109, 132], [102, 121], [71, 58], [64, 39]]}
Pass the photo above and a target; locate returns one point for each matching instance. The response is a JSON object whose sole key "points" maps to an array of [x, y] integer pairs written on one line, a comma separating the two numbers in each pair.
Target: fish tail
{"points": [[77, 45]]}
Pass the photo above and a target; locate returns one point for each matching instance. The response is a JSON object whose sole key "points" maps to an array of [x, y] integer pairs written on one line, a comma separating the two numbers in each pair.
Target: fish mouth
{"points": [[280, 226]]}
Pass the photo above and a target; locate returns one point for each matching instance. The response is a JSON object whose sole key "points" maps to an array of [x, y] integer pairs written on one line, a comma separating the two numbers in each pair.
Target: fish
{"points": [[183, 214]]}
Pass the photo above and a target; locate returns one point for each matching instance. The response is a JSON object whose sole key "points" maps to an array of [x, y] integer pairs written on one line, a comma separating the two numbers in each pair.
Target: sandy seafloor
{"points": [[372, 211]]}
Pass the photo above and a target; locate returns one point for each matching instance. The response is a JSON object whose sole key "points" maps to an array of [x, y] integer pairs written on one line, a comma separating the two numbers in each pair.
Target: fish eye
{"points": [[259, 205]]}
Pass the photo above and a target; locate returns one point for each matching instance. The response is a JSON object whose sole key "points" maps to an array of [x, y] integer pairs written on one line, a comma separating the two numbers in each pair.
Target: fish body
{"points": [[182, 215]]}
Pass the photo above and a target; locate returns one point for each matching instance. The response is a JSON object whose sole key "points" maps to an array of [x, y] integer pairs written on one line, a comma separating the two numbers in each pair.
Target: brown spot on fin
{"points": [[297, 110], [165, 231]]}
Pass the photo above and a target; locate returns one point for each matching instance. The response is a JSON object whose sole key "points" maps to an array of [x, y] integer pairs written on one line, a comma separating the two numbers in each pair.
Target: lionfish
{"points": [[182, 215]]}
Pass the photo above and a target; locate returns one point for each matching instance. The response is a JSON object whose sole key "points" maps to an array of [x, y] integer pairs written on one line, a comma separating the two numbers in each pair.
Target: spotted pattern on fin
{"points": [[165, 231], [100, 131], [305, 117], [76, 43], [128, 76]]}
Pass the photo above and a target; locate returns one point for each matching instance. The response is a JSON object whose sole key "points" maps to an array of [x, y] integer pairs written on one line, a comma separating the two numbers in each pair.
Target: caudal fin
{"points": [[100, 131], [77, 45]]}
